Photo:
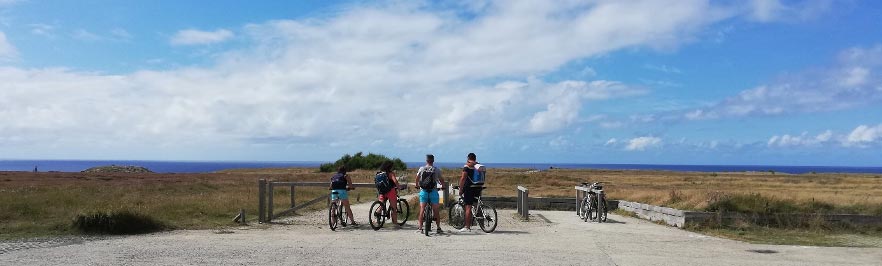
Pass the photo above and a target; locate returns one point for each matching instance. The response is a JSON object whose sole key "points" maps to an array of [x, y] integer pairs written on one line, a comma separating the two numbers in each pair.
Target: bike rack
{"points": [[523, 203]]}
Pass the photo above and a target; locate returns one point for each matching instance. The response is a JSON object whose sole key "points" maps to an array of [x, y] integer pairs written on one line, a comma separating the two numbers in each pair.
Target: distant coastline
{"points": [[206, 167]]}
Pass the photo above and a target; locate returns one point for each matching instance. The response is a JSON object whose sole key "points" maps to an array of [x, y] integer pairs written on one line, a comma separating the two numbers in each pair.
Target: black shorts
{"points": [[469, 194]]}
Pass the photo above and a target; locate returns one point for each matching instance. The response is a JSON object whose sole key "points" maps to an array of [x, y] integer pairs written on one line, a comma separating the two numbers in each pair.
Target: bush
{"points": [[359, 161], [116, 223]]}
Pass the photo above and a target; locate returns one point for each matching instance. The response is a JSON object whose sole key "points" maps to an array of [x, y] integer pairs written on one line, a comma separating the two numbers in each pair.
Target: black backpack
{"points": [[383, 183], [338, 181], [427, 178]]}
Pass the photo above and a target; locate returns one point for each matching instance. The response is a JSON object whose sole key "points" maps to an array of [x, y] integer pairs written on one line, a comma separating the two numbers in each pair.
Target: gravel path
{"points": [[549, 238]]}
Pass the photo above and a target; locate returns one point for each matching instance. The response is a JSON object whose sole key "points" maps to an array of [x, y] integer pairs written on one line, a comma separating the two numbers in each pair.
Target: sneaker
{"points": [[465, 230], [419, 231], [354, 224], [439, 231]]}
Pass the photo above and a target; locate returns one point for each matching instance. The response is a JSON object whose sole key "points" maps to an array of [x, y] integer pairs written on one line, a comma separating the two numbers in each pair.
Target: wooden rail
{"points": [[266, 201]]}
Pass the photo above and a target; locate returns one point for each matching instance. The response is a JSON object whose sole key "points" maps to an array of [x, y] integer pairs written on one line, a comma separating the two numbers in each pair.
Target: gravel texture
{"points": [[549, 238]]}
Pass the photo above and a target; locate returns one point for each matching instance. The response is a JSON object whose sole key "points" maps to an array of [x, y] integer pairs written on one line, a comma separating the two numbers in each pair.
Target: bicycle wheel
{"points": [[341, 215], [332, 216], [586, 210], [403, 211], [581, 210], [592, 209], [456, 216], [376, 215], [427, 219], [488, 221], [602, 210]]}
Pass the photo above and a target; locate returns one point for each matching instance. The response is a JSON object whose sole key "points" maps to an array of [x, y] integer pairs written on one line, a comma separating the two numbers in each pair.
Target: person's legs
{"points": [[393, 206], [437, 216], [424, 198], [468, 217], [349, 211]]}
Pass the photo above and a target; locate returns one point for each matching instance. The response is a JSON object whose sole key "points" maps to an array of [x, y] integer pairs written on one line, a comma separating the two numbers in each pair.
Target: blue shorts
{"points": [[430, 197], [341, 194]]}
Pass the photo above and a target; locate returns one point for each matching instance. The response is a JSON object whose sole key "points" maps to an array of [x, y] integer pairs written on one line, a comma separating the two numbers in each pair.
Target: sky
{"points": [[753, 82]]}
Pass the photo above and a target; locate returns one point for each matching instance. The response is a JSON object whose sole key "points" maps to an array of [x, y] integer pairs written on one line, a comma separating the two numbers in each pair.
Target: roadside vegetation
{"points": [[362, 162], [45, 204]]}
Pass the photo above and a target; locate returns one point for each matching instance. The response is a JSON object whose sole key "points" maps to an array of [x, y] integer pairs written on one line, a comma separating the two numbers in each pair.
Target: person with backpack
{"points": [[341, 183], [428, 178], [387, 188], [470, 184]]}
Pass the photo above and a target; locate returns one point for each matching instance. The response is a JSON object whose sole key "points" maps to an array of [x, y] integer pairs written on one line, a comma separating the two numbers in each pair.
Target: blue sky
{"points": [[763, 82]]}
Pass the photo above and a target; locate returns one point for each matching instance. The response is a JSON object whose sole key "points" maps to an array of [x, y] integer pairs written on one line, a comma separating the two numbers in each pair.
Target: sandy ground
{"points": [[549, 238]]}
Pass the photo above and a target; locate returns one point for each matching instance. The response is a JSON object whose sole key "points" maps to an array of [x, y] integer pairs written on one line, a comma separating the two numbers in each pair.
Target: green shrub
{"points": [[116, 223], [359, 161]]}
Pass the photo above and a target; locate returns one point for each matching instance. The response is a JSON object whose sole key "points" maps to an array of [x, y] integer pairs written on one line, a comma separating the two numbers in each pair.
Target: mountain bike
{"points": [[428, 218], [587, 207], [482, 213], [379, 212], [336, 213], [594, 205]]}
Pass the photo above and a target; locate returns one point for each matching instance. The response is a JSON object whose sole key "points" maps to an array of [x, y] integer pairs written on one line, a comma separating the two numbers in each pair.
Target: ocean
{"points": [[206, 167]]}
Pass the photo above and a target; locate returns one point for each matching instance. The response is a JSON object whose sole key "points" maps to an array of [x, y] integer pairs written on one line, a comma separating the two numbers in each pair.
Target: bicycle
{"points": [[483, 214], [428, 218], [336, 212], [594, 206], [379, 212]]}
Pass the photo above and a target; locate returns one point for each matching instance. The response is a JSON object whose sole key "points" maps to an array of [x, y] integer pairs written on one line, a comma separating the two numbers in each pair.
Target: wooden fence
{"points": [[266, 201], [523, 203]]}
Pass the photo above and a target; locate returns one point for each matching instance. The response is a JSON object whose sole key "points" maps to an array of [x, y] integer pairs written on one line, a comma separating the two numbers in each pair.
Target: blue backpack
{"points": [[383, 183], [480, 174]]}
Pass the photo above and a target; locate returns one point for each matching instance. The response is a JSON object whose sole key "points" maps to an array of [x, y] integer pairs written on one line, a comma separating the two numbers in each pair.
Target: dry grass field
{"points": [[38, 204]]}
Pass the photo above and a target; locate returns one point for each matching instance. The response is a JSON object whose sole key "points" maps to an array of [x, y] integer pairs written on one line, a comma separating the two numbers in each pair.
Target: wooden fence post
{"points": [[446, 193], [261, 200], [270, 205], [292, 196]]}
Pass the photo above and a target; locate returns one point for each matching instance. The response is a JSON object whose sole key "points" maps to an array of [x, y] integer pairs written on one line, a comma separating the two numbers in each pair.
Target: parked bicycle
{"points": [[483, 214], [380, 212], [594, 205], [336, 212]]}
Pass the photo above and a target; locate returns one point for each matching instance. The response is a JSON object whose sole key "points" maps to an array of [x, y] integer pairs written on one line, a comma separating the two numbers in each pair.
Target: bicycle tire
{"points": [[592, 209], [489, 221], [602, 209], [403, 211], [332, 216], [341, 215], [456, 216], [586, 206], [427, 219], [377, 216]]}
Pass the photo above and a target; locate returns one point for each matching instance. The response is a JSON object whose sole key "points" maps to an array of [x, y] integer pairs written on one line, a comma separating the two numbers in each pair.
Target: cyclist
{"points": [[340, 183], [392, 194], [429, 195], [467, 192]]}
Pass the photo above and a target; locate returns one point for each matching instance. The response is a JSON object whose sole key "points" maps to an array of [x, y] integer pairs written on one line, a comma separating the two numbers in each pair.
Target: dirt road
{"points": [[550, 238]]}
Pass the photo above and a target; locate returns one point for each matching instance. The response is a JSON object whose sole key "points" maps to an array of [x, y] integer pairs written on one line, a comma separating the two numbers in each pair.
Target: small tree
{"points": [[360, 161]]}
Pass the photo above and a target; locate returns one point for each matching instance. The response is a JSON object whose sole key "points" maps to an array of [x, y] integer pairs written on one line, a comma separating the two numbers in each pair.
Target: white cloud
{"points": [[864, 135], [611, 142], [198, 37], [663, 68], [642, 143], [802, 140], [775, 10], [852, 82], [402, 74], [44, 30], [7, 51]]}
